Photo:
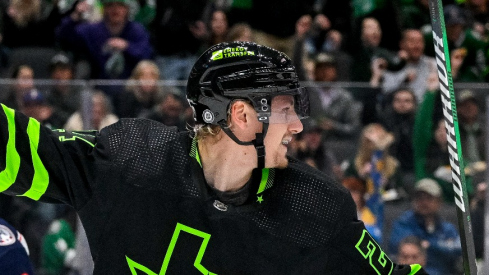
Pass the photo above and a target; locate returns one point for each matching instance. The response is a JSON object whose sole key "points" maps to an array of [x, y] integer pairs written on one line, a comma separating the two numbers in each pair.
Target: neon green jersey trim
{"points": [[40, 181], [415, 268], [264, 180], [194, 151], [9, 175], [133, 266]]}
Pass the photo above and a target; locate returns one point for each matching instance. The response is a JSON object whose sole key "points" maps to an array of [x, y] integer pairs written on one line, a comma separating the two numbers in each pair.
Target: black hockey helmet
{"points": [[242, 70], [248, 71]]}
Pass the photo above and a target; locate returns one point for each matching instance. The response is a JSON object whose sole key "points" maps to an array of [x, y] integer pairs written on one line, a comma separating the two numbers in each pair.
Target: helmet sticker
{"points": [[6, 236], [208, 116], [231, 52]]}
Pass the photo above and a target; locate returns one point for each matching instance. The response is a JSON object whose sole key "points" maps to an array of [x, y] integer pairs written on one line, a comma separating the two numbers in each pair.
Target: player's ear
{"points": [[240, 114]]}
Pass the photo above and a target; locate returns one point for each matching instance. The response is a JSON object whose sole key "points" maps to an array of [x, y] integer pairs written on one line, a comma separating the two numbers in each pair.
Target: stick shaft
{"points": [[453, 135]]}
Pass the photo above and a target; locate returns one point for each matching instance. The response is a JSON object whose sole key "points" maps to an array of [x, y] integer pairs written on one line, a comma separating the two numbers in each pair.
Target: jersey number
{"points": [[370, 250]]}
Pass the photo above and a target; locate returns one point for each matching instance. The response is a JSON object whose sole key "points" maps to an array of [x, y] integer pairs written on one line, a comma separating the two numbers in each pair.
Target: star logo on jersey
{"points": [[259, 199]]}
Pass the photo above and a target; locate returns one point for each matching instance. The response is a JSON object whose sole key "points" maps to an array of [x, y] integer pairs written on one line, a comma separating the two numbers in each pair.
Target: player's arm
{"points": [[42, 164]]}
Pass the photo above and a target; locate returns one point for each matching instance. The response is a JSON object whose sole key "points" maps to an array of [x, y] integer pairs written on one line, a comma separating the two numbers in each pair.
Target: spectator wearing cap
{"points": [[439, 237], [35, 105], [334, 108], [63, 95], [113, 46]]}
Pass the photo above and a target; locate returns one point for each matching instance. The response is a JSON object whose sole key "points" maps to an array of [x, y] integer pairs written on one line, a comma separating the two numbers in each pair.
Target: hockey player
{"points": [[221, 199]]}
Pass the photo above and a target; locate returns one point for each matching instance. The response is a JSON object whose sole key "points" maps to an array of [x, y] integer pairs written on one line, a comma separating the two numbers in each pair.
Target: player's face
{"points": [[285, 124]]}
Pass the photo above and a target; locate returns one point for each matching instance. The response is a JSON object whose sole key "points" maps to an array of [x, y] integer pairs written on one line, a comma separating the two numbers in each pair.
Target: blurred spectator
{"points": [[373, 163], [467, 50], [24, 76], [478, 13], [100, 116], [171, 111], [430, 146], [14, 252], [299, 54], [113, 46], [274, 22], [83, 262], [63, 95], [335, 110], [369, 49], [144, 12], [30, 23], [322, 38], [411, 251], [371, 61], [472, 127], [385, 13], [58, 245], [178, 34], [372, 220], [36, 106], [218, 28], [477, 213], [340, 17], [439, 237], [398, 118], [240, 32], [415, 14], [142, 91], [308, 147], [414, 75]]}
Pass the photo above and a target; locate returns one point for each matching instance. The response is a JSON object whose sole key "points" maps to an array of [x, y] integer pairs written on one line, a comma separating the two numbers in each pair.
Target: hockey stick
{"points": [[453, 135]]}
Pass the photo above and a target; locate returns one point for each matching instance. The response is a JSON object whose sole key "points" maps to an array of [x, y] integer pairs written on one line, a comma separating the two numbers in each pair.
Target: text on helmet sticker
{"points": [[231, 52]]}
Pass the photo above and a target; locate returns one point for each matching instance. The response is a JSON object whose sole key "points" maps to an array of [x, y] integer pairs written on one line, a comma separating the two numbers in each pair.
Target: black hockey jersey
{"points": [[140, 192]]}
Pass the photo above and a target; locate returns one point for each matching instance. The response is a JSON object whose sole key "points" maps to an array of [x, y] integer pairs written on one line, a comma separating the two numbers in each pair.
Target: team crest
{"points": [[6, 236]]}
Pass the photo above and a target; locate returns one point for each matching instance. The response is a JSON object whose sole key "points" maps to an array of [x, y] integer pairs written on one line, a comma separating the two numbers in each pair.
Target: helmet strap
{"points": [[257, 142]]}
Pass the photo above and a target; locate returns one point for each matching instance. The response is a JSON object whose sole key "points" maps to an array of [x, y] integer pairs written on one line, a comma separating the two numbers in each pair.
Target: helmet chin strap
{"points": [[257, 142]]}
